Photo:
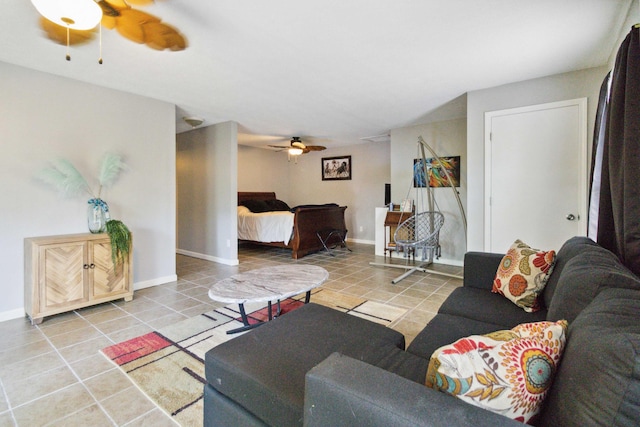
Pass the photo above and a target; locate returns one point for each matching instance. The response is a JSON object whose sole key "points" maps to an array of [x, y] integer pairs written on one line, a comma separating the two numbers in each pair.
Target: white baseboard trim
{"points": [[456, 262], [155, 282], [208, 257], [19, 312], [12, 314], [364, 242]]}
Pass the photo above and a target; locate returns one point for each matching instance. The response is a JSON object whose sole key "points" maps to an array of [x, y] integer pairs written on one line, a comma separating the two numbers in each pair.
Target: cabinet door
{"points": [[62, 275], [107, 280]]}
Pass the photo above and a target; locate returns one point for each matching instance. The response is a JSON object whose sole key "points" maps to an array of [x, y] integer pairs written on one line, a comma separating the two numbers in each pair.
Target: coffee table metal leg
{"points": [[243, 314], [279, 309], [245, 321]]}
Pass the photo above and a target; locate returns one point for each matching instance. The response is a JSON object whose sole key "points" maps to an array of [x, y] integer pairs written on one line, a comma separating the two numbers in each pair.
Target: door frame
{"points": [[581, 103]]}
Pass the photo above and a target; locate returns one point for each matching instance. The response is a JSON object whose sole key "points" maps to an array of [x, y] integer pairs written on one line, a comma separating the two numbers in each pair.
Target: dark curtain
{"points": [[619, 207], [596, 157]]}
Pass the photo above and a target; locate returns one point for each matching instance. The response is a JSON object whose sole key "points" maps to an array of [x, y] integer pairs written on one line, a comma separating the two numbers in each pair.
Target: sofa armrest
{"points": [[341, 391], [480, 269]]}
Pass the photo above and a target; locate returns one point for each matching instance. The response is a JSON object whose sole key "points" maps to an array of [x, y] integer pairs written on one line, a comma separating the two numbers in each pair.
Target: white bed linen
{"points": [[274, 226]]}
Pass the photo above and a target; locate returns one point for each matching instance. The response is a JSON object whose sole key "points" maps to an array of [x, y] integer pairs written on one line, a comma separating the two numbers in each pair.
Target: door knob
{"points": [[572, 217]]}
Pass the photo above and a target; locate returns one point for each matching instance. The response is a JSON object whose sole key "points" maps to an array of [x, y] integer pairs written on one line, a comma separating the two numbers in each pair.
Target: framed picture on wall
{"points": [[336, 168], [436, 176]]}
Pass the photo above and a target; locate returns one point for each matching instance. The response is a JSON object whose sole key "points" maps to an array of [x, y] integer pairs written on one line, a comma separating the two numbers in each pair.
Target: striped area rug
{"points": [[168, 364]]}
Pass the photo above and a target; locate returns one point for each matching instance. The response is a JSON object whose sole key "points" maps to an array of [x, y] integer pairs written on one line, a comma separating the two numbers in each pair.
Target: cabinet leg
{"points": [[128, 299], [36, 321]]}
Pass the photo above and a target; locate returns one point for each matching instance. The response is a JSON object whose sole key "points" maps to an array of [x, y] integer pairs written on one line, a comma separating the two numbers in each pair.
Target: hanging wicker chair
{"points": [[420, 232]]}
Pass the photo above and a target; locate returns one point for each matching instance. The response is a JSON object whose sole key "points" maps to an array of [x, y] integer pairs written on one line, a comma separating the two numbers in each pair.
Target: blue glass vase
{"points": [[97, 215]]}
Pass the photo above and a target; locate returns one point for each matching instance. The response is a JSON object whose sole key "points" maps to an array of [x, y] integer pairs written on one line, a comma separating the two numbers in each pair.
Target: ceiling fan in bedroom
{"points": [[296, 147]]}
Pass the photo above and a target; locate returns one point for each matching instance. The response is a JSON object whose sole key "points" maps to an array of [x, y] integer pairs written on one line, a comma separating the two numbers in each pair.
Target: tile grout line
{"points": [[70, 385]]}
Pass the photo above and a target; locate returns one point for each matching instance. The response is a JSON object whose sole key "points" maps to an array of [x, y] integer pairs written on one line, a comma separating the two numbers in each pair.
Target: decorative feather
{"points": [[111, 166], [65, 178]]}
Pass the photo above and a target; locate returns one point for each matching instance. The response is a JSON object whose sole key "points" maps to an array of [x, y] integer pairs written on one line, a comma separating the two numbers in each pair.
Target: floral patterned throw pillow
{"points": [[523, 274], [507, 372]]}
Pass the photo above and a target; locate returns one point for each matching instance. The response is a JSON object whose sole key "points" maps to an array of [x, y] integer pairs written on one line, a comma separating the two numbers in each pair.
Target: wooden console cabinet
{"points": [[64, 273]]}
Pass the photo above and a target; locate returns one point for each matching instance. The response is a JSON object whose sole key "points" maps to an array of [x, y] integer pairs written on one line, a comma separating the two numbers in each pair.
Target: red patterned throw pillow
{"points": [[507, 372], [523, 274]]}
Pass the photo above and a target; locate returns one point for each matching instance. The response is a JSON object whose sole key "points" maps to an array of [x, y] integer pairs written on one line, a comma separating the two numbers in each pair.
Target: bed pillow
{"points": [[277, 205], [523, 274], [507, 372], [256, 206]]}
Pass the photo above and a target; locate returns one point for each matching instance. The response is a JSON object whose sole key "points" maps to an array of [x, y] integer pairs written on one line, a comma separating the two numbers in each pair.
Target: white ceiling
{"points": [[335, 70]]}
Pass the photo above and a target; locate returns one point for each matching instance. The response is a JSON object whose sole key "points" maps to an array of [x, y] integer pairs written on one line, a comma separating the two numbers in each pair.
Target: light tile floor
{"points": [[52, 374]]}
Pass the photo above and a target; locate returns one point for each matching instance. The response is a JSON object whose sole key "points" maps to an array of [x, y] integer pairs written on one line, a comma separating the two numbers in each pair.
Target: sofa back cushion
{"points": [[569, 249], [598, 380], [583, 277]]}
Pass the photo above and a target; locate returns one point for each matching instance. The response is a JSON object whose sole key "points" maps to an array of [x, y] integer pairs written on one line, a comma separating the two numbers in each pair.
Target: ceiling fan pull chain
{"points": [[68, 54], [100, 42]]}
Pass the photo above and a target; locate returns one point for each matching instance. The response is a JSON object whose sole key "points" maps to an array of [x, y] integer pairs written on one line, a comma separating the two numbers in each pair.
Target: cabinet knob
{"points": [[86, 266], [92, 265]]}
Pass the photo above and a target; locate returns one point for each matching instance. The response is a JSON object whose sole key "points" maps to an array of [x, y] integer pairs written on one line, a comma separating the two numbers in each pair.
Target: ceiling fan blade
{"points": [[130, 24], [140, 2], [161, 36], [108, 22], [117, 4], [316, 147]]}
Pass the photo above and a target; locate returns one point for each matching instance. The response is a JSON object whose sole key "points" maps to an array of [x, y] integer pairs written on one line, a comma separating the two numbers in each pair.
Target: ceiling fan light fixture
{"points": [[72, 14], [294, 151]]}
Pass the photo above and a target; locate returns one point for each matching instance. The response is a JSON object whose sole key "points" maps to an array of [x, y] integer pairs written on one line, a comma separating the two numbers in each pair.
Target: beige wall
{"points": [[207, 181], [46, 117], [447, 138], [362, 194], [263, 170]]}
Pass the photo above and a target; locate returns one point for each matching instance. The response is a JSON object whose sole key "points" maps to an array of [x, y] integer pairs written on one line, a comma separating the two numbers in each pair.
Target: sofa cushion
{"points": [[523, 274], [480, 269], [569, 249], [249, 369], [507, 372], [598, 381], [583, 277], [484, 306], [445, 329]]}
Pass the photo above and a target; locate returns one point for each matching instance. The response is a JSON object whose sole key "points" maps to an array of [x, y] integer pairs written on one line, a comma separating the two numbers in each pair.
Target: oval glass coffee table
{"points": [[274, 283]]}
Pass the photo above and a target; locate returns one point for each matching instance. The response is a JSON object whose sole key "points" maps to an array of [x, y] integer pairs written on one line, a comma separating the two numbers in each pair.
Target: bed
{"points": [[302, 226]]}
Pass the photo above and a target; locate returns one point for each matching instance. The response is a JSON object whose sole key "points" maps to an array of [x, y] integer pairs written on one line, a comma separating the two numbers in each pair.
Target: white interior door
{"points": [[536, 175]]}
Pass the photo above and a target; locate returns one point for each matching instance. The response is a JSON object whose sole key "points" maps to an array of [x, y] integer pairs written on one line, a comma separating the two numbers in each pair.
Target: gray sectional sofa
{"points": [[320, 367]]}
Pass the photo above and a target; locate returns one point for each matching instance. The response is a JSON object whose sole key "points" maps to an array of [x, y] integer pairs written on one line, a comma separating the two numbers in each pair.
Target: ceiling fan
{"points": [[133, 24], [296, 147]]}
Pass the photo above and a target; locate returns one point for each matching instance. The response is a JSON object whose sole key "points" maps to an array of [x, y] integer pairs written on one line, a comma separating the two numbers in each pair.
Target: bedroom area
{"points": [[212, 168]]}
